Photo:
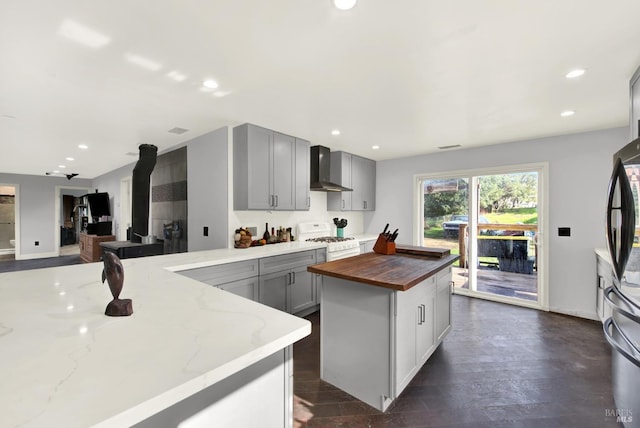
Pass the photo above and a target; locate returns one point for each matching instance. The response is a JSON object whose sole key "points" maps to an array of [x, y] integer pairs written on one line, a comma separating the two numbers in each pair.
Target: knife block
{"points": [[382, 246]]}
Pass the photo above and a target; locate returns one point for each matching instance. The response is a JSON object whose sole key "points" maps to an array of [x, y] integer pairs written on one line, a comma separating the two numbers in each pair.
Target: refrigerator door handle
{"points": [[620, 251], [631, 311], [617, 346]]}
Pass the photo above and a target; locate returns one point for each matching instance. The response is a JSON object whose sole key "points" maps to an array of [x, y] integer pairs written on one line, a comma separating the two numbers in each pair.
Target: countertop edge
{"points": [[144, 410], [446, 261]]}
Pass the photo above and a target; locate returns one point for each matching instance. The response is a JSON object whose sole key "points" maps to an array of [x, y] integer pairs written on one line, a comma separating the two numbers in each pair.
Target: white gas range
{"points": [[337, 248]]}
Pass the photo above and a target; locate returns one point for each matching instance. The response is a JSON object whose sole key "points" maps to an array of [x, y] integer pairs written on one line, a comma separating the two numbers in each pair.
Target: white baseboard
{"points": [[36, 256], [580, 314]]}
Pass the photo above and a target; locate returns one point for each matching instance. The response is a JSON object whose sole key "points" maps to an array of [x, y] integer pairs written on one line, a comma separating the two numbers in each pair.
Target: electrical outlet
{"points": [[205, 231], [36, 243], [564, 231]]}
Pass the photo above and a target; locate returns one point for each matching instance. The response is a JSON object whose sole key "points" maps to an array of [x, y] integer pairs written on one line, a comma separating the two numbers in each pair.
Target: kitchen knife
{"points": [[385, 229], [394, 235]]}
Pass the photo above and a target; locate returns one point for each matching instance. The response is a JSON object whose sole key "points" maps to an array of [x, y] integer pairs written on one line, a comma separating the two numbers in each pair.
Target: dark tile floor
{"points": [[12, 265], [500, 366]]}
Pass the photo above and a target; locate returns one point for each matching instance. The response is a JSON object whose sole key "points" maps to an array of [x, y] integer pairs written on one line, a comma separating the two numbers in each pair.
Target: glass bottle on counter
{"points": [[266, 236]]}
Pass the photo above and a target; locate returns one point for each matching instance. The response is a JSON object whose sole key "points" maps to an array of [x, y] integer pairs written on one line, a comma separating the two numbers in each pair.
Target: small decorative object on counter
{"points": [[266, 236], [113, 272], [385, 244], [242, 238], [340, 224]]}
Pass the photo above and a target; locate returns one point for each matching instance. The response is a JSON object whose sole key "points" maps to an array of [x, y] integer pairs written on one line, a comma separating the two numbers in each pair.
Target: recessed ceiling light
{"points": [[575, 73], [211, 84], [176, 75], [376, 147], [55, 171], [335, 132], [70, 159], [344, 4], [62, 166], [83, 146], [83, 35], [567, 113], [221, 94], [143, 62]]}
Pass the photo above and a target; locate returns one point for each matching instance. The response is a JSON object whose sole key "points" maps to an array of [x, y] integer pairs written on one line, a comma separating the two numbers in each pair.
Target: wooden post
{"points": [[462, 230]]}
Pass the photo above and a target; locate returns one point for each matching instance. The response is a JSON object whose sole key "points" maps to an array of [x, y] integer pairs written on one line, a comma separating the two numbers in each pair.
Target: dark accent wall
{"points": [[169, 200]]}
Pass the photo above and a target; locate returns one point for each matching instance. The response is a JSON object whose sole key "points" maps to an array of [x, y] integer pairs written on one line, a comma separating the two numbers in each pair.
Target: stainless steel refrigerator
{"points": [[622, 329]]}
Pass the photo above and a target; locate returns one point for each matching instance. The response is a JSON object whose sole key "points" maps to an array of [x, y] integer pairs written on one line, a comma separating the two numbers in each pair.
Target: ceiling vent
{"points": [[453, 146], [177, 130]]}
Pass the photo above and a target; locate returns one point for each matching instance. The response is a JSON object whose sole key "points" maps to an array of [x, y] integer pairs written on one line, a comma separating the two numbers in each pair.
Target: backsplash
{"points": [[317, 212]]}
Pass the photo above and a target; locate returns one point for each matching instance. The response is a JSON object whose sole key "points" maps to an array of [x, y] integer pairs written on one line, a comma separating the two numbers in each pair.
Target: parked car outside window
{"points": [[451, 227]]}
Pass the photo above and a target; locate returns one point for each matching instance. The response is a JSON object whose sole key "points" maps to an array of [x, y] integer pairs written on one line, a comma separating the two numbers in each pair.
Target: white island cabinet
{"points": [[382, 317], [190, 355]]}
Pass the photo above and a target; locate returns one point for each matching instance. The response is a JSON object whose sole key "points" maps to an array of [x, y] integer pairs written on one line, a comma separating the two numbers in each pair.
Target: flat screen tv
{"points": [[99, 204]]}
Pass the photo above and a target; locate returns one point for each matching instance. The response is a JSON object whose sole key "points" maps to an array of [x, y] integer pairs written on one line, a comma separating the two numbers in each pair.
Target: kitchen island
{"points": [[381, 317], [190, 352]]}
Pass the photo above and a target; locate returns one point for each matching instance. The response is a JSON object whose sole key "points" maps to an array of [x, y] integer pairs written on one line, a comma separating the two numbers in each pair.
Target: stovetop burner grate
{"points": [[329, 239]]}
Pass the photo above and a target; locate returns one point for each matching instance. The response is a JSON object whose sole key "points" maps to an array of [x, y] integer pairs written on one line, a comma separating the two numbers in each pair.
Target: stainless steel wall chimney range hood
{"points": [[321, 171]]}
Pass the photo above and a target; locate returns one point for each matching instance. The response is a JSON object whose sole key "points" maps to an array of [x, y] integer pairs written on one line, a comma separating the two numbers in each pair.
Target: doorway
{"points": [[68, 206], [493, 219], [8, 220]]}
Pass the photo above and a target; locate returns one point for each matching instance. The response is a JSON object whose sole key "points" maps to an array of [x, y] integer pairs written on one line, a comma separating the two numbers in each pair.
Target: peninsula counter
{"points": [[188, 349]]}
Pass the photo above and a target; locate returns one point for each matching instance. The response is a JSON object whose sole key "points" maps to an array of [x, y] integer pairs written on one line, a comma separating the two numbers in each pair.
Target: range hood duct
{"points": [[321, 171], [140, 191]]}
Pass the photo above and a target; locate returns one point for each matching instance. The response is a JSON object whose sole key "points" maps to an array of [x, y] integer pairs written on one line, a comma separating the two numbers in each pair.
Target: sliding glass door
{"points": [[493, 220]]}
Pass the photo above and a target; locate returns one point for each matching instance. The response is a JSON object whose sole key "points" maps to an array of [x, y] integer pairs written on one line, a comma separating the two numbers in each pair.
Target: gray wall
{"points": [[36, 199], [207, 189], [207, 177], [579, 170]]}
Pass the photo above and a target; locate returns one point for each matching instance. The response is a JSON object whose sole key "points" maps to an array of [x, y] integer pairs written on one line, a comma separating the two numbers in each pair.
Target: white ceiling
{"points": [[407, 75]]}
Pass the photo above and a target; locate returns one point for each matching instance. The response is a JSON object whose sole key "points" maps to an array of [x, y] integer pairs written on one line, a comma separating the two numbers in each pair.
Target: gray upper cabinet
{"points": [[363, 182], [340, 174], [266, 167], [357, 173], [303, 196]]}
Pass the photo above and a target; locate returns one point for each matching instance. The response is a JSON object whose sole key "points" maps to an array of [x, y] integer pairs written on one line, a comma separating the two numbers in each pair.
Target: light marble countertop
{"points": [[64, 363]]}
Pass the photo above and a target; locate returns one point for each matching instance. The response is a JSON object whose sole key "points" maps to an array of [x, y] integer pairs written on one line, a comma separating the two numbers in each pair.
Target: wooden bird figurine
{"points": [[113, 272]]}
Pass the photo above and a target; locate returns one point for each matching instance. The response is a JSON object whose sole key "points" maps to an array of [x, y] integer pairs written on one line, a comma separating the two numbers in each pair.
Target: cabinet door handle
{"points": [[364, 205], [289, 278], [294, 278], [424, 313], [308, 201], [419, 314], [600, 282], [276, 204], [343, 204]]}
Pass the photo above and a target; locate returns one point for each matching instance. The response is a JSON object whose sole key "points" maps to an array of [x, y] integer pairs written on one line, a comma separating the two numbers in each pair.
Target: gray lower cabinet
{"points": [[270, 170], [239, 278], [281, 282], [285, 283], [274, 288], [247, 288]]}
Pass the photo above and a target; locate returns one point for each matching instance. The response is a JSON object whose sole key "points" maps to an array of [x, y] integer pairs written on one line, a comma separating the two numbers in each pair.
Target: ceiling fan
{"points": [[69, 176]]}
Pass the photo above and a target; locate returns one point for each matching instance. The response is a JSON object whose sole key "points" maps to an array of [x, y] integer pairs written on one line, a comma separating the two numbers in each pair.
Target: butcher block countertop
{"points": [[396, 272]]}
